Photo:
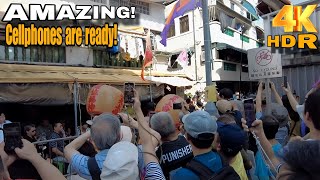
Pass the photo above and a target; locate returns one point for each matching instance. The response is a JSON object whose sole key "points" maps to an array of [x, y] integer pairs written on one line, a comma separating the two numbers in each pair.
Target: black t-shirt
{"points": [[175, 154]]}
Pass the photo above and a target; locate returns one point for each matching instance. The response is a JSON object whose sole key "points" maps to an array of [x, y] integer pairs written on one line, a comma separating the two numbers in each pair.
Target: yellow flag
{"points": [[211, 93]]}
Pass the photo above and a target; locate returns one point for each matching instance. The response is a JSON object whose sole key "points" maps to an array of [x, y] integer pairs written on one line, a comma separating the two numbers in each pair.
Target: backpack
{"points": [[204, 173], [94, 168]]}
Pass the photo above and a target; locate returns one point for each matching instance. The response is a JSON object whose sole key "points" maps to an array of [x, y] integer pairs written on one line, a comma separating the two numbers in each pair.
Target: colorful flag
{"points": [[148, 55], [183, 58], [179, 9]]}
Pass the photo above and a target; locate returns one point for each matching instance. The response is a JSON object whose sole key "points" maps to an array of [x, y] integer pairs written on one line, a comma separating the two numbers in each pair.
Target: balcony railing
{"points": [[103, 58]]}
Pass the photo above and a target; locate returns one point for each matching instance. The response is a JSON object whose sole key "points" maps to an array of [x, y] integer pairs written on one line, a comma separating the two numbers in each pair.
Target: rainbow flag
{"points": [[179, 9]]}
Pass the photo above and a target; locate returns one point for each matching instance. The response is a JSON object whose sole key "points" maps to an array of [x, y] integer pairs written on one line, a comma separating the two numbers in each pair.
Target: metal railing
{"points": [[63, 166]]}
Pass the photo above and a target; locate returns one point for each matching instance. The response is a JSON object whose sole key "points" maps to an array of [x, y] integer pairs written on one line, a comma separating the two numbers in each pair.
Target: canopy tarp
{"points": [[59, 94], [173, 81], [14, 73]]}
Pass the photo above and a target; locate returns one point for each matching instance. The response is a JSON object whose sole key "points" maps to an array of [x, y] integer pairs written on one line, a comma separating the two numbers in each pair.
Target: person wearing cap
{"points": [[105, 132], [229, 141], [175, 150], [200, 130], [281, 114], [229, 107]]}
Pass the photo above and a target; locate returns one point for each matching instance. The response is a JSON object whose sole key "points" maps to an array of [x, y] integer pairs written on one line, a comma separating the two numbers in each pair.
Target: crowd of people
{"points": [[212, 141]]}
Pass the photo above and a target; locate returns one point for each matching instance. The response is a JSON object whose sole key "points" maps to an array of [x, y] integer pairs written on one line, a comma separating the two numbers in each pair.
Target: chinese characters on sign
{"points": [[264, 64]]}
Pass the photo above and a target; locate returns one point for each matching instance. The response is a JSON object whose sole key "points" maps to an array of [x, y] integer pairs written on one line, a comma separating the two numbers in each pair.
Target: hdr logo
{"points": [[293, 18]]}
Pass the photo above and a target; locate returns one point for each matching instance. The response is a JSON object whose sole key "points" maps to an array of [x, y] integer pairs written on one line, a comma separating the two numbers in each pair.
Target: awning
{"points": [[14, 73], [251, 9], [221, 46], [59, 94], [173, 81]]}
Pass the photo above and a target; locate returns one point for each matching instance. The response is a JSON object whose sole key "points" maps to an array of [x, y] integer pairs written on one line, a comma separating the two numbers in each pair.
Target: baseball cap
{"points": [[232, 138], [121, 162], [199, 122], [224, 106], [280, 113]]}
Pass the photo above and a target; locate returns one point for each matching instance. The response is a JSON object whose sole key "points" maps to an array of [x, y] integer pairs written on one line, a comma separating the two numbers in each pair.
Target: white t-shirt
{"points": [[1, 133]]}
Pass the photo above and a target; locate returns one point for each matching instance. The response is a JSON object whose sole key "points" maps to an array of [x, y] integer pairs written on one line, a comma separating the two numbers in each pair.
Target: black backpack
{"points": [[204, 173]]}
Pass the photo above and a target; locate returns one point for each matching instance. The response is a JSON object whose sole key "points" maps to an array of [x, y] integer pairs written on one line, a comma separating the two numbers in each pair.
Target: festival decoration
{"points": [[104, 98], [166, 105]]}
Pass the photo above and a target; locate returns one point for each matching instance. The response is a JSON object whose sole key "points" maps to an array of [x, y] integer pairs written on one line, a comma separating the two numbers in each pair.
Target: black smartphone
{"points": [[12, 137], [177, 106], [129, 93], [249, 111], [285, 81]]}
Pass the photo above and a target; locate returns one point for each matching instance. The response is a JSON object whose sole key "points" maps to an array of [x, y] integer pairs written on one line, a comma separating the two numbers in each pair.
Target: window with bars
{"points": [[232, 6], [229, 67], [172, 31], [47, 54], [184, 24], [141, 7]]}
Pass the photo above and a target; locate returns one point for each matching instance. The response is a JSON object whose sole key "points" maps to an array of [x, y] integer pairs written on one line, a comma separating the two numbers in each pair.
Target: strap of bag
{"points": [[199, 169], [94, 168]]}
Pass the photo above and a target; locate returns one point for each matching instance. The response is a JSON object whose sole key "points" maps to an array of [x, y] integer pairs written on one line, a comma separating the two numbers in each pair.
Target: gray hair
{"points": [[105, 131], [162, 122]]}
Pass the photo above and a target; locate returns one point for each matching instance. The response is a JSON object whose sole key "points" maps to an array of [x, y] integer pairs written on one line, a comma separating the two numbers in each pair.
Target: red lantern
{"points": [[104, 98], [166, 105]]}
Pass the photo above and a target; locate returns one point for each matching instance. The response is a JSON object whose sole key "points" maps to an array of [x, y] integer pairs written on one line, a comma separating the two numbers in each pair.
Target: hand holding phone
{"points": [[129, 93], [12, 137], [249, 111], [285, 81]]}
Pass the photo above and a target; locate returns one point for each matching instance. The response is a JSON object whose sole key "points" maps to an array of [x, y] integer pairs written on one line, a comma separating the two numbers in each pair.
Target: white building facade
{"points": [[151, 17], [233, 32]]}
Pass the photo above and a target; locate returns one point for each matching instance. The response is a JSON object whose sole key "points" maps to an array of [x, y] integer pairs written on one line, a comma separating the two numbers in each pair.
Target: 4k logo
{"points": [[292, 18]]}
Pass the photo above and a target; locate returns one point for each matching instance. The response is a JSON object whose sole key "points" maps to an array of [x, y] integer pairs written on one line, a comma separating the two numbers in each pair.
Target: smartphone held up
{"points": [[129, 93], [12, 137], [249, 111]]}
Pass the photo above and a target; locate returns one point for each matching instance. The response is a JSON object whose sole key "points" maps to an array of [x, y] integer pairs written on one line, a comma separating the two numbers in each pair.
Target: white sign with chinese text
{"points": [[264, 64]]}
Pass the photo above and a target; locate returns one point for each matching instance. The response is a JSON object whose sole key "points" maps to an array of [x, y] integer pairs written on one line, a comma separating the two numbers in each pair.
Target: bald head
{"points": [[105, 131], [162, 122]]}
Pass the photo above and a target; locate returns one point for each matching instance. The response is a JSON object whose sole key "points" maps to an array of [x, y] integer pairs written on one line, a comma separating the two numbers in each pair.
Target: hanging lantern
{"points": [[104, 98], [166, 105]]}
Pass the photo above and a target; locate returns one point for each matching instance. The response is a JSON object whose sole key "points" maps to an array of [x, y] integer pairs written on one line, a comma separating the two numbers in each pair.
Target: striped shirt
{"points": [[154, 172]]}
